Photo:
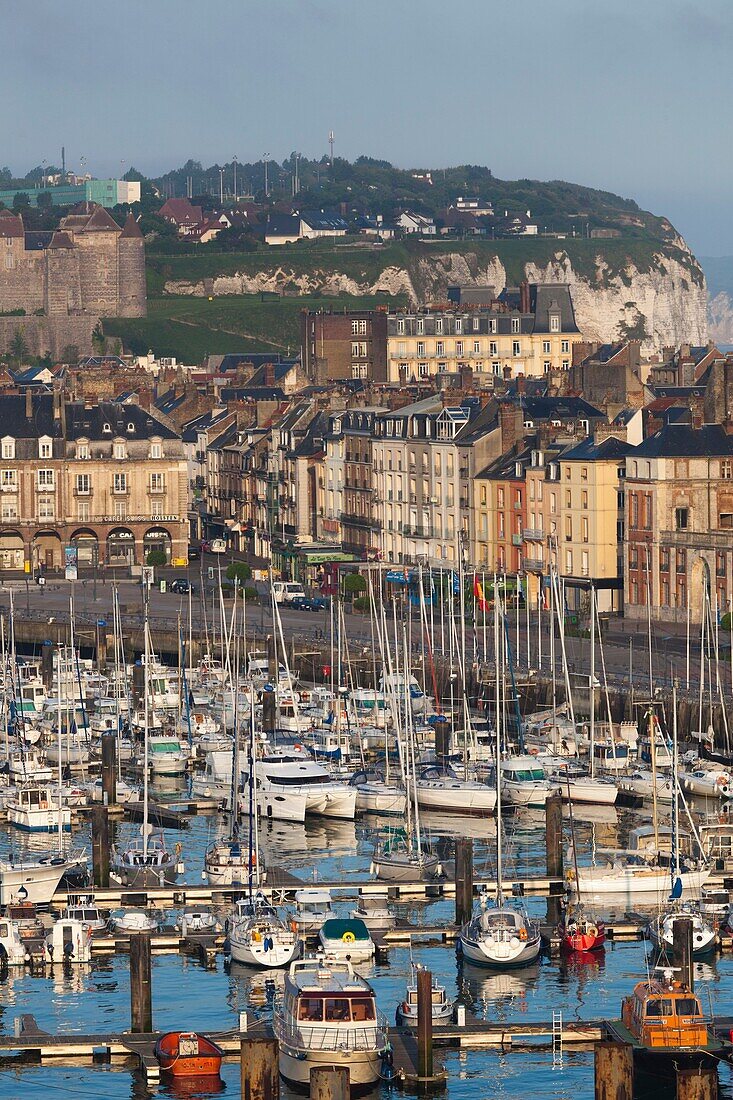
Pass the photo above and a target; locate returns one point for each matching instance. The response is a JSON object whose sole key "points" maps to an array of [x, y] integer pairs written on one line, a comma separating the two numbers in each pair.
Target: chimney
{"points": [[269, 374], [524, 296], [511, 422], [28, 403]]}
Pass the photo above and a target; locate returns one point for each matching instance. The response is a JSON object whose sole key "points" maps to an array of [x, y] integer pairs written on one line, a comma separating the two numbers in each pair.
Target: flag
{"points": [[479, 594]]}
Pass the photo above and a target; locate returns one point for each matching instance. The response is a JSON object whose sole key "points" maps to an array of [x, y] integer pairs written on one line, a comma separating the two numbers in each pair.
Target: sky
{"points": [[624, 95]]}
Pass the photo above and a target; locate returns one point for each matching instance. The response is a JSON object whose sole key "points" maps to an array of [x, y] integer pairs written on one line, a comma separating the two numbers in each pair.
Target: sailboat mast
{"points": [[675, 795], [592, 679], [146, 726], [499, 870], [653, 752]]}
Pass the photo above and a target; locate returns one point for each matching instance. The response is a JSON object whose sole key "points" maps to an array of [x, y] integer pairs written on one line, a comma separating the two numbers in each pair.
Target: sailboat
{"points": [[578, 930], [499, 935], [147, 861], [661, 927]]}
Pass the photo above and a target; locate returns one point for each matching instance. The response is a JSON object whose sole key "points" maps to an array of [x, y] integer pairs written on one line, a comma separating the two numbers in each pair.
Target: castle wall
{"points": [[22, 277], [98, 272], [132, 283], [50, 335]]}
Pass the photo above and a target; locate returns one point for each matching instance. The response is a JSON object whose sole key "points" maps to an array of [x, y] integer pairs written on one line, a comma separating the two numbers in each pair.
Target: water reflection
{"points": [[488, 992]]}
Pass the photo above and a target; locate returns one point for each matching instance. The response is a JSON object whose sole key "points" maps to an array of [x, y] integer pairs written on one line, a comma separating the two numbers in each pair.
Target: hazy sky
{"points": [[627, 95]]}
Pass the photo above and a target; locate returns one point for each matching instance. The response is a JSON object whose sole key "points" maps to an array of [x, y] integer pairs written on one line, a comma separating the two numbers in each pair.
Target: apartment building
{"points": [[528, 331], [107, 479], [349, 515], [351, 344], [679, 523]]}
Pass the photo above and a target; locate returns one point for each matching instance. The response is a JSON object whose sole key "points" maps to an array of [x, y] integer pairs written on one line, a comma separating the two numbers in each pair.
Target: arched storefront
{"points": [[120, 547], [87, 546], [12, 550], [157, 538], [47, 550]]}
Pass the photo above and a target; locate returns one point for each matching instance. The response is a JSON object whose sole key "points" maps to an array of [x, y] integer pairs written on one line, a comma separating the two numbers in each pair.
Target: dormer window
{"points": [[107, 429], [82, 450], [118, 449], [130, 426], [8, 447], [45, 447], [554, 322], [515, 324], [156, 450]]}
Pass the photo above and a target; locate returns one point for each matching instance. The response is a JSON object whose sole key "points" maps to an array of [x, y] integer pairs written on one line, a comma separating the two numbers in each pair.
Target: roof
{"points": [[559, 408], [11, 225], [38, 239], [546, 298], [282, 225], [181, 211], [608, 449], [131, 421], [131, 229], [683, 441], [323, 219]]}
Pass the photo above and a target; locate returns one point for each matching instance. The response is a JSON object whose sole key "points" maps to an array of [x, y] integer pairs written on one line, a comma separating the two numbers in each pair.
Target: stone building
{"points": [[66, 279], [106, 478], [350, 344]]}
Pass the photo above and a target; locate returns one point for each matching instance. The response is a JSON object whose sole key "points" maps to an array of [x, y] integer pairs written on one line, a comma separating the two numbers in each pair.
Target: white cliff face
{"points": [[666, 305], [720, 318]]}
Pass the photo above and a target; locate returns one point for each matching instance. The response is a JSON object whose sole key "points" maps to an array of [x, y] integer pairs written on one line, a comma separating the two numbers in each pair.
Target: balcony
{"points": [[533, 534], [83, 494], [156, 490], [533, 565], [698, 540], [516, 540], [351, 519], [120, 490], [418, 532], [9, 487]]}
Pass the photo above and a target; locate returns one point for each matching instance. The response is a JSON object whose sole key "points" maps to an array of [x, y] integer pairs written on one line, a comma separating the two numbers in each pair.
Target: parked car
{"points": [[287, 591], [194, 553], [181, 586], [308, 603]]}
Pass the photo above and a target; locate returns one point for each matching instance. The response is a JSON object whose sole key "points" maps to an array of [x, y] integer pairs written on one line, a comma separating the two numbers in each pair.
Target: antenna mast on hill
{"points": [[331, 138]]}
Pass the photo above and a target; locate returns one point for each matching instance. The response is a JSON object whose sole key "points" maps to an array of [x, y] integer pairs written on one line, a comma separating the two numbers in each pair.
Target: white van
{"points": [[287, 591]]}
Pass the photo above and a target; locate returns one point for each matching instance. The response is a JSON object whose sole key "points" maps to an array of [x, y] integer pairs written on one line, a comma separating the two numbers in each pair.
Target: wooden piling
{"points": [[101, 629], [47, 667], [700, 1083], [138, 683], [141, 989], [464, 880], [614, 1071], [553, 846], [682, 950], [100, 846], [424, 1025], [109, 768], [259, 1073], [330, 1083]]}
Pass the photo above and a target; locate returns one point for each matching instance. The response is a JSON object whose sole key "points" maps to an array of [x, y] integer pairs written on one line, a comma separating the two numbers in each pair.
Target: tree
{"points": [[354, 583], [70, 355], [98, 338], [18, 347], [156, 557], [238, 571], [21, 200], [44, 201]]}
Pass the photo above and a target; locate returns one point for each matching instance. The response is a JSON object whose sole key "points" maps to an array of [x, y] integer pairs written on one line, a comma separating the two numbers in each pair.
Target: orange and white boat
{"points": [[579, 932], [663, 1019], [186, 1054]]}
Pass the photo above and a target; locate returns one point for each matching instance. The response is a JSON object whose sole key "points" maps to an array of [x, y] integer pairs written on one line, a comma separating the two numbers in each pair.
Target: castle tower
{"points": [[131, 265]]}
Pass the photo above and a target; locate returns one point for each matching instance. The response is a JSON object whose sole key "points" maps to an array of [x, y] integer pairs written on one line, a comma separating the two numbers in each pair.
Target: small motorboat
{"points": [[347, 939], [407, 1009], [312, 908], [197, 922], [374, 912], [83, 907], [579, 932], [132, 920], [186, 1054]]}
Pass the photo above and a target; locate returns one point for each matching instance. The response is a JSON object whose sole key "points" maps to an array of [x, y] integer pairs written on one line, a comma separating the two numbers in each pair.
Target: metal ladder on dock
{"points": [[557, 1040]]}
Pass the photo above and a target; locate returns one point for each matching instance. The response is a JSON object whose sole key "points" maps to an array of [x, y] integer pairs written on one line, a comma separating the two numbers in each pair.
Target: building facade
{"points": [[348, 345]]}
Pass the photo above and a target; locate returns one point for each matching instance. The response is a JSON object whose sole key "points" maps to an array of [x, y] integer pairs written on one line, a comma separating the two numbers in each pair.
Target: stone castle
{"points": [[66, 279]]}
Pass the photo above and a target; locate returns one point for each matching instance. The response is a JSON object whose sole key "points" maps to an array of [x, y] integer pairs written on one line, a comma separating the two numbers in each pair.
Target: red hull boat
{"points": [[186, 1054], [582, 935]]}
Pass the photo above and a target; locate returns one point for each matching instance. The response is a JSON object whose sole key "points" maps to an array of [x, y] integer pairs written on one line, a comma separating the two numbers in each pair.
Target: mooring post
{"points": [[464, 880], [259, 1073], [47, 667], [272, 670], [100, 846], [699, 1083], [138, 683], [330, 1083], [141, 989], [614, 1071], [682, 950], [102, 645], [424, 1024], [553, 845], [109, 768]]}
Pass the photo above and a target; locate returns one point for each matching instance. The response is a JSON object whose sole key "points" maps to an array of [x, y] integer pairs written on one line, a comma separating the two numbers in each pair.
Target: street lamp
{"points": [[234, 158], [267, 190], [221, 186]]}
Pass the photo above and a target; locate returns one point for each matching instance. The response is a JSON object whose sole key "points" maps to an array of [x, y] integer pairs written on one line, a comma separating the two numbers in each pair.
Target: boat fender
{"points": [[534, 752], [348, 937], [293, 926], [522, 933], [570, 874], [268, 943], [256, 937], [514, 941]]}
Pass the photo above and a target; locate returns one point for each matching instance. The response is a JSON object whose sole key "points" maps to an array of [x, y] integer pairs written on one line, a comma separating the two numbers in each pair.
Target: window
{"points": [[156, 509], [633, 510], [438, 326], [354, 328], [516, 348], [107, 429], [400, 325], [354, 349], [554, 322], [9, 480], [9, 509], [83, 511], [45, 447], [8, 447], [681, 561], [440, 348], [119, 485], [156, 450], [420, 349], [45, 479], [82, 450], [664, 559], [547, 366], [420, 327], [720, 564], [584, 529], [422, 370], [362, 328], [83, 484], [362, 351], [493, 325], [633, 557], [120, 509], [118, 450], [156, 483], [553, 502], [476, 324], [725, 520], [459, 326], [584, 499], [515, 324], [584, 567], [500, 498], [569, 562], [459, 347], [726, 469], [546, 347], [45, 508], [682, 519], [564, 347]]}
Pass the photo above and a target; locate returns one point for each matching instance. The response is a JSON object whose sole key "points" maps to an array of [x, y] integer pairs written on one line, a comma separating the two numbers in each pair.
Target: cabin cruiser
{"points": [[642, 783], [166, 755], [36, 880], [347, 939], [523, 782], [25, 765], [69, 941], [374, 912], [84, 909], [401, 687], [576, 785], [133, 920], [328, 1017], [312, 908], [231, 863], [374, 796], [446, 793], [285, 771], [35, 808], [442, 1006], [258, 937], [13, 951]]}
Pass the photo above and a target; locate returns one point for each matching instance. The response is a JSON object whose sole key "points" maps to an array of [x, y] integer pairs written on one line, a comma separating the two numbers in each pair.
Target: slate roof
{"points": [[131, 229], [545, 297], [323, 219], [683, 441], [559, 408], [588, 451], [282, 225], [81, 422], [38, 239]]}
